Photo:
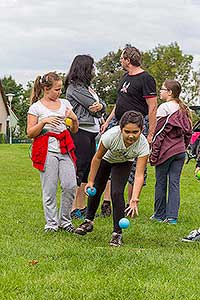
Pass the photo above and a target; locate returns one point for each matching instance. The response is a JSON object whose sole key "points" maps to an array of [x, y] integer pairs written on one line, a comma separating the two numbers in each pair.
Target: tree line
{"points": [[162, 62]]}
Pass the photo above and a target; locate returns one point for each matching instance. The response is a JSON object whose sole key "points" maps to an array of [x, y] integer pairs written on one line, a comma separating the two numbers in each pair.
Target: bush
{"points": [[2, 138]]}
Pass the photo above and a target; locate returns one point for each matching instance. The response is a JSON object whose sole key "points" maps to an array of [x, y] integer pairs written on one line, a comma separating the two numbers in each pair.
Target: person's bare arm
{"points": [[95, 165], [70, 114], [105, 124], [137, 187], [34, 127], [152, 107]]}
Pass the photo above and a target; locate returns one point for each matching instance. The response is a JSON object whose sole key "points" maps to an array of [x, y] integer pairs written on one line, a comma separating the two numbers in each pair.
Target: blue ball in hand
{"points": [[91, 191], [124, 223]]}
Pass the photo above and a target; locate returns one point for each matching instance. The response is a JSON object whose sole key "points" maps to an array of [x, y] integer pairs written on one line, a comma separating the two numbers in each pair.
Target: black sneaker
{"points": [[84, 228], [116, 239], [192, 236], [106, 209], [69, 228]]}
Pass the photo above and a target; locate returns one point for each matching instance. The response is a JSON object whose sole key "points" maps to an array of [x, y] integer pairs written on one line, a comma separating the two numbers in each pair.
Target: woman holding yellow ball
{"points": [[53, 149]]}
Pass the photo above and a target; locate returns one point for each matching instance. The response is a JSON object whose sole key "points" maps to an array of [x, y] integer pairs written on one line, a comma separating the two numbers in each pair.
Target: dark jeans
{"points": [[119, 176], [168, 180]]}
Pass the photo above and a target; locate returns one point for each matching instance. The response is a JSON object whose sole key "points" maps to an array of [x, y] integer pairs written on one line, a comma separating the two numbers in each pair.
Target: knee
{"points": [[117, 195], [69, 186]]}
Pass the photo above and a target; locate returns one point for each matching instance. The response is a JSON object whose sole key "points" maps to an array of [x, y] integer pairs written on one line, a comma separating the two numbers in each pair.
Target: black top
{"points": [[132, 93]]}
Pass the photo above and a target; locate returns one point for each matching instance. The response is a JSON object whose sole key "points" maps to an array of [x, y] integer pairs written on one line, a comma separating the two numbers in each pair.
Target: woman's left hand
{"points": [[95, 107]]}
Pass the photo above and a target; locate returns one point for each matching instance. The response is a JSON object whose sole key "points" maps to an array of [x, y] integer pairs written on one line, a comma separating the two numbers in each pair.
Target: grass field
{"points": [[152, 264]]}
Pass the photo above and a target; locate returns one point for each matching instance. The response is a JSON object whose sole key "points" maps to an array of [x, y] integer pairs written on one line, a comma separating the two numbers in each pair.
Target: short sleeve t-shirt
{"points": [[167, 108], [117, 152], [132, 93], [41, 111]]}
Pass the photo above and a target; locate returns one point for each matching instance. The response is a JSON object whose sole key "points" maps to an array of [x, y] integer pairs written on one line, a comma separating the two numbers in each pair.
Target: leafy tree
{"points": [[195, 86], [108, 77], [24, 106], [10, 86], [20, 102], [169, 62]]}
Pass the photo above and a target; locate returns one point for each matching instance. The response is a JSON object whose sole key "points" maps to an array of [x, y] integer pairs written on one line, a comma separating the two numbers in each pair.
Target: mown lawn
{"points": [[152, 264]]}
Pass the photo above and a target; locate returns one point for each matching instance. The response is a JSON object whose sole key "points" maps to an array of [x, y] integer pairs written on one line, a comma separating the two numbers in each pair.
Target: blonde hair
{"points": [[46, 81]]}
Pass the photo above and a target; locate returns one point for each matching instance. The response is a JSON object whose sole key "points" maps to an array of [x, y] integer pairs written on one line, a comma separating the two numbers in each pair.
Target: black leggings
{"points": [[119, 176], [85, 149]]}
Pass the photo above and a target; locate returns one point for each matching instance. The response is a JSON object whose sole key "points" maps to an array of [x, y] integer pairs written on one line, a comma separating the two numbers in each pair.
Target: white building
{"points": [[6, 114]]}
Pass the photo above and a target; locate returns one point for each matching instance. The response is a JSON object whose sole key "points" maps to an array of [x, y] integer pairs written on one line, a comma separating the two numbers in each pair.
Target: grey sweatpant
{"points": [[58, 167]]}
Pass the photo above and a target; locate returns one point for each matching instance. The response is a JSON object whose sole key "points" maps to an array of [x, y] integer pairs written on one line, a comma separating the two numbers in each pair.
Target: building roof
{"points": [[4, 98]]}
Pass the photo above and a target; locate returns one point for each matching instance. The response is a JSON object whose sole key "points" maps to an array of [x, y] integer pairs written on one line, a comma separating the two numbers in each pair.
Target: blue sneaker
{"points": [[153, 218], [170, 221], [83, 212], [76, 214]]}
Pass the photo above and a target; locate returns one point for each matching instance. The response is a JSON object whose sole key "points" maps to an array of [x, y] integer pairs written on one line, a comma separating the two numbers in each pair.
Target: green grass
{"points": [[152, 264]]}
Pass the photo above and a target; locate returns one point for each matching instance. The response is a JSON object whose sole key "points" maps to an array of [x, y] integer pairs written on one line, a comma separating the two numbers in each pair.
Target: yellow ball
{"points": [[68, 122]]}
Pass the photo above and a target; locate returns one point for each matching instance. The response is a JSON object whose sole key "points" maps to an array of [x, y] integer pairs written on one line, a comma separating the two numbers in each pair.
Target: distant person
{"points": [[118, 147], [89, 109], [53, 149], [172, 137], [194, 235], [136, 91]]}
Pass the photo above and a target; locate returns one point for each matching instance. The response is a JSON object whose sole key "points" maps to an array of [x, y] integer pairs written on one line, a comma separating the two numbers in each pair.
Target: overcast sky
{"points": [[40, 36]]}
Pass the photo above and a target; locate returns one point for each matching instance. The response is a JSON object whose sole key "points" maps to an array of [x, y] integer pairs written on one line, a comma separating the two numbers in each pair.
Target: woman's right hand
{"points": [[89, 185], [53, 121]]}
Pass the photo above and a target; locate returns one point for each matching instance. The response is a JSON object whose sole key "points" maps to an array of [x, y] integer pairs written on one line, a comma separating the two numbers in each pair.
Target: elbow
{"points": [[29, 134]]}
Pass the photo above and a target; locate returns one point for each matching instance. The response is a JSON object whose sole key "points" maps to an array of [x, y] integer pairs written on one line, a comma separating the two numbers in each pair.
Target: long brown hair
{"points": [[175, 87], [40, 83], [80, 72]]}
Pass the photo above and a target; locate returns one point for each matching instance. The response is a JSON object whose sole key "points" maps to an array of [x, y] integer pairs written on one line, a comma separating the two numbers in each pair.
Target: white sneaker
{"points": [[192, 236]]}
